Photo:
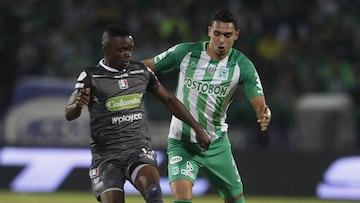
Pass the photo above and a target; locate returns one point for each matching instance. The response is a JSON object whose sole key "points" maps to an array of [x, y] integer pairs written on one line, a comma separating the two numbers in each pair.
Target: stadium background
{"points": [[306, 52]]}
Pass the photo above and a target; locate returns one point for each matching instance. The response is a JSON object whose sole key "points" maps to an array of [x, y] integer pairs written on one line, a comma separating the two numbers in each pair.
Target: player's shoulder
{"points": [[184, 48], [136, 67], [239, 57], [237, 54], [190, 45], [93, 69], [187, 46]]}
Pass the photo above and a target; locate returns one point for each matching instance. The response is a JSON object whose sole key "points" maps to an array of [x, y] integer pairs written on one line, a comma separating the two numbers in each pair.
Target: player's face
{"points": [[222, 37], [118, 51]]}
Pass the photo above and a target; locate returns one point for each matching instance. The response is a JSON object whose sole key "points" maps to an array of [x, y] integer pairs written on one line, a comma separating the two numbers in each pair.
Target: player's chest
{"points": [[111, 86], [209, 71]]}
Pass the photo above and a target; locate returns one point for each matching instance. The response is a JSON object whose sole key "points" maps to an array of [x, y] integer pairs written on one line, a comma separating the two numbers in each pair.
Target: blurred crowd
{"points": [[298, 46]]}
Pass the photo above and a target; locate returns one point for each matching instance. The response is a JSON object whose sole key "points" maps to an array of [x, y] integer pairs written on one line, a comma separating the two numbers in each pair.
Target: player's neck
{"points": [[213, 54]]}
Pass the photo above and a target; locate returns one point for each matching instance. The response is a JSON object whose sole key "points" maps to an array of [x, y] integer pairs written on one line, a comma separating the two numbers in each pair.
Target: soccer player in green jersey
{"points": [[209, 74]]}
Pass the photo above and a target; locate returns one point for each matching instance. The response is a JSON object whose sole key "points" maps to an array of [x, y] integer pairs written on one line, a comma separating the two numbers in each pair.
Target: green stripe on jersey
{"points": [[203, 98], [189, 72]]}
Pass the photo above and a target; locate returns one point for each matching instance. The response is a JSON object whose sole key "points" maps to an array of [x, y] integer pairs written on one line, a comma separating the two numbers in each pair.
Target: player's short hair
{"points": [[224, 15], [116, 31], [113, 31]]}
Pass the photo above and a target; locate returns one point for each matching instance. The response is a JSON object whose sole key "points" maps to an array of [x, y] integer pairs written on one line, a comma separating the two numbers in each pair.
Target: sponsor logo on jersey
{"points": [[125, 75], [176, 159], [123, 102], [136, 71], [211, 68], [123, 84], [127, 118], [188, 170], [206, 87]]}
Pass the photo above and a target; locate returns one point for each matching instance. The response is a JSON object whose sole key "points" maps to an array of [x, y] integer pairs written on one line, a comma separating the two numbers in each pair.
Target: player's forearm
{"points": [[179, 110], [72, 111], [260, 111], [258, 104]]}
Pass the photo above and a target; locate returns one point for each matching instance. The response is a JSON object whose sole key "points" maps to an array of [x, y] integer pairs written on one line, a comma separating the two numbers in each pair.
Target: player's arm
{"points": [[179, 110], [262, 111], [167, 60], [79, 99]]}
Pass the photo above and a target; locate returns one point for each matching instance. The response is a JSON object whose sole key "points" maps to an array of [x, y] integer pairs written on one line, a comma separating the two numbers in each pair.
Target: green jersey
{"points": [[206, 87]]}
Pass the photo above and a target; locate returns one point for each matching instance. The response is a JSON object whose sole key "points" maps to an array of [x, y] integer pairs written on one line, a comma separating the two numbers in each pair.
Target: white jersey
{"points": [[206, 87]]}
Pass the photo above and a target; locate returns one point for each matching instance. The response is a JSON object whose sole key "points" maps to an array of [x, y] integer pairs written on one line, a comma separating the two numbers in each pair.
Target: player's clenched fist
{"points": [[203, 139], [82, 98]]}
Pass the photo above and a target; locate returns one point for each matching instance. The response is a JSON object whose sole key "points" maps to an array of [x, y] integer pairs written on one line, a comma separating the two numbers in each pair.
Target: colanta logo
{"points": [[123, 102]]}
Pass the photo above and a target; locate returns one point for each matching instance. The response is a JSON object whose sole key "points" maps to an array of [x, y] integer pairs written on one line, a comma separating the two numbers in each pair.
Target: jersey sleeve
{"points": [[250, 80], [83, 81], [167, 60], [153, 81]]}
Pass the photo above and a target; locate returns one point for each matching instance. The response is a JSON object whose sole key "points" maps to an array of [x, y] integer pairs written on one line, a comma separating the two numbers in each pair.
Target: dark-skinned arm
{"points": [[179, 110], [76, 103]]}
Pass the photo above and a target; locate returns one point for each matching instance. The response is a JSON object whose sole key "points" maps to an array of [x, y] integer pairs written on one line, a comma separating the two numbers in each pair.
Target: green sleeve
{"points": [[250, 80], [168, 60]]}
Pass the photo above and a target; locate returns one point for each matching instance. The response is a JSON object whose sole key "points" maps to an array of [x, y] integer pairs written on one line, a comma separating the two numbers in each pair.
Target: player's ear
{"points": [[105, 46], [209, 30], [237, 34]]}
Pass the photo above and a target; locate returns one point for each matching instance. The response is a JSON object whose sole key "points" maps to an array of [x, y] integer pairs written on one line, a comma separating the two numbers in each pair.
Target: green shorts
{"points": [[217, 164]]}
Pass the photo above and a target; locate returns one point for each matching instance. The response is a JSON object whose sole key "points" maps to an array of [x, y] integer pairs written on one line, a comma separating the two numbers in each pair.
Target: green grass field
{"points": [[76, 197]]}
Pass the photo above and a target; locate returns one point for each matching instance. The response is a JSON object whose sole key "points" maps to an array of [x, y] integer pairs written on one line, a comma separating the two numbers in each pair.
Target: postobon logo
{"points": [[205, 87], [123, 102]]}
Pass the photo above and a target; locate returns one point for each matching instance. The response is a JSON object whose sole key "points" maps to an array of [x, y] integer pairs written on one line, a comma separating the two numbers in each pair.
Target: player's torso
{"points": [[116, 107], [206, 87], [208, 84]]}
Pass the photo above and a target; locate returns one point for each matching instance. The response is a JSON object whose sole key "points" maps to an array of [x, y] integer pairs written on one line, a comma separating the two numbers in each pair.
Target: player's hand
{"points": [[264, 121], [203, 139], [82, 98]]}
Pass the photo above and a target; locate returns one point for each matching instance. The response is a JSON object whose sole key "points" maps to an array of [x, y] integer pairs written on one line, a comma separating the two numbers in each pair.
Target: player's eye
{"points": [[216, 33], [228, 34]]}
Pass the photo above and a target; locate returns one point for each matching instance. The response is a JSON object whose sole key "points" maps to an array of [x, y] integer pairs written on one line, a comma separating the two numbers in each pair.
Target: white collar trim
{"points": [[107, 67]]}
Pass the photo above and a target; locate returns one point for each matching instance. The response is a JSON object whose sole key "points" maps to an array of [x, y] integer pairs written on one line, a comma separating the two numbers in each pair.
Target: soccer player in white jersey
{"points": [[209, 74]]}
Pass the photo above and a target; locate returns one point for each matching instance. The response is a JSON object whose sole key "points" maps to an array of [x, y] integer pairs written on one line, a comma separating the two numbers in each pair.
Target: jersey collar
{"points": [[204, 43], [102, 64]]}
